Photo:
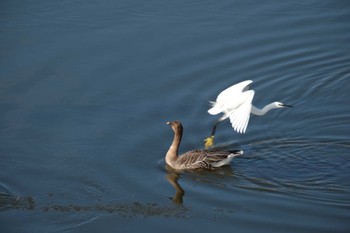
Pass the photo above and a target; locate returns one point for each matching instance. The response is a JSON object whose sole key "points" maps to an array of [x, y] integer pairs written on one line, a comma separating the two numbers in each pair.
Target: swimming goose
{"points": [[195, 159]]}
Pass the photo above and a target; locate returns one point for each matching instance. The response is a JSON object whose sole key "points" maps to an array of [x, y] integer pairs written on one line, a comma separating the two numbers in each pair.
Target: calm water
{"points": [[86, 89]]}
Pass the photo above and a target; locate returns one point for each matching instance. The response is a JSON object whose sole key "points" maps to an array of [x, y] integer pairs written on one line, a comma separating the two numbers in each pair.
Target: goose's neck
{"points": [[172, 153], [263, 111]]}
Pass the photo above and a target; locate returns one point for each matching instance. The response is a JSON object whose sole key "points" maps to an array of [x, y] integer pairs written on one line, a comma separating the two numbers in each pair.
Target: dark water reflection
{"points": [[86, 89], [172, 177], [204, 176], [135, 209]]}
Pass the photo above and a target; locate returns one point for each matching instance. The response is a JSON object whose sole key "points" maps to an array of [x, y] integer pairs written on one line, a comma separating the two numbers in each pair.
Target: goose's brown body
{"points": [[195, 159]]}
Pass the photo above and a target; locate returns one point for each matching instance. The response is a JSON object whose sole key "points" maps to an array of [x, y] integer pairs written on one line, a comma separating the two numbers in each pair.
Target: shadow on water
{"points": [[10, 202], [124, 209]]}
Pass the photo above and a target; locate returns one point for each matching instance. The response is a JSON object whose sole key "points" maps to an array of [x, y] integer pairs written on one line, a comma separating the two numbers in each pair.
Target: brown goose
{"points": [[195, 159]]}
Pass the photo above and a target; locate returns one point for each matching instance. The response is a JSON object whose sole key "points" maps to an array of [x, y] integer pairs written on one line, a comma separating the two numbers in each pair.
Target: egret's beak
{"points": [[288, 106]]}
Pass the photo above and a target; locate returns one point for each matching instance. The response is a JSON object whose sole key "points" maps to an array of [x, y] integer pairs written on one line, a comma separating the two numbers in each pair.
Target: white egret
{"points": [[235, 103]]}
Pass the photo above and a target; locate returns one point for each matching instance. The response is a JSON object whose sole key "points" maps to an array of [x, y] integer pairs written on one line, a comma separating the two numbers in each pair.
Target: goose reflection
{"points": [[204, 176], [172, 176]]}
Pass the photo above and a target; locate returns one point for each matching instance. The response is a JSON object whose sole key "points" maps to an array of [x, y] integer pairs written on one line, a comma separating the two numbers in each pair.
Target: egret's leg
{"points": [[214, 127], [209, 141]]}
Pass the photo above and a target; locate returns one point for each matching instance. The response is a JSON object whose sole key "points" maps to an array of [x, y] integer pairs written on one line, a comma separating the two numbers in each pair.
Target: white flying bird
{"points": [[235, 103]]}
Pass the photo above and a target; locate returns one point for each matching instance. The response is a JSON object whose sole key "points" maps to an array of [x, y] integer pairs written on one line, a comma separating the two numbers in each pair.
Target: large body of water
{"points": [[86, 88]]}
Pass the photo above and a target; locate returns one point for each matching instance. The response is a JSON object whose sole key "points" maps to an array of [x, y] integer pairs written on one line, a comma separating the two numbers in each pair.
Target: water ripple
{"points": [[299, 167]]}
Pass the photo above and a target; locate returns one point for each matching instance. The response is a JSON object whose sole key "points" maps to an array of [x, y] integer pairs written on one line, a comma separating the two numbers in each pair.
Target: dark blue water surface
{"points": [[86, 88]]}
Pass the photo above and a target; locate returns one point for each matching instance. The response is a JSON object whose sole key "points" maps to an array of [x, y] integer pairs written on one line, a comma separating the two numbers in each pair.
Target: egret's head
{"points": [[281, 105], [175, 125]]}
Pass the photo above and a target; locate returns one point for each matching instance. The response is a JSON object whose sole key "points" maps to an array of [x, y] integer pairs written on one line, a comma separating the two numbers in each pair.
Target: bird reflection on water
{"points": [[172, 177], [202, 175]]}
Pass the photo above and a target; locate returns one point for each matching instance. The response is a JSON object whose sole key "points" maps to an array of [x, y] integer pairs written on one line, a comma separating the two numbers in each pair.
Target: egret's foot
{"points": [[209, 142]]}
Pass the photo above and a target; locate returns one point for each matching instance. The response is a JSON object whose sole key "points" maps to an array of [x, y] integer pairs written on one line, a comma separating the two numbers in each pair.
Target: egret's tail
{"points": [[215, 109]]}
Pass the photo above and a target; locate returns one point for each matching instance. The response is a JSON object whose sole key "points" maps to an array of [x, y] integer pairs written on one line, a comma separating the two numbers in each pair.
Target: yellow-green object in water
{"points": [[209, 142]]}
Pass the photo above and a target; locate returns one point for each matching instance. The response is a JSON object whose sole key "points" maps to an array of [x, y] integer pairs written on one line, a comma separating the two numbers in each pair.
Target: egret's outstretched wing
{"points": [[231, 92], [229, 98], [239, 117]]}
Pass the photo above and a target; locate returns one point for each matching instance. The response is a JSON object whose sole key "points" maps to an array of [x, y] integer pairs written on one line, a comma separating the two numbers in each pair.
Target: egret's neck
{"points": [[263, 111], [172, 153]]}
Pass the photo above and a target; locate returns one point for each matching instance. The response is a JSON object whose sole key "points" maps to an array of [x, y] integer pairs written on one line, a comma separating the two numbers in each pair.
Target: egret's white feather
{"points": [[239, 117], [215, 110], [230, 93], [229, 99], [235, 103]]}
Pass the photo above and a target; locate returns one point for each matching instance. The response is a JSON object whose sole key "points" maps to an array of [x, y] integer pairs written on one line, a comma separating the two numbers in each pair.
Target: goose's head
{"points": [[175, 125]]}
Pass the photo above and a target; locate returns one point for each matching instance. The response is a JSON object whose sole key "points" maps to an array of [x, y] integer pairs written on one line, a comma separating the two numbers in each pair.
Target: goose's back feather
{"points": [[204, 159]]}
